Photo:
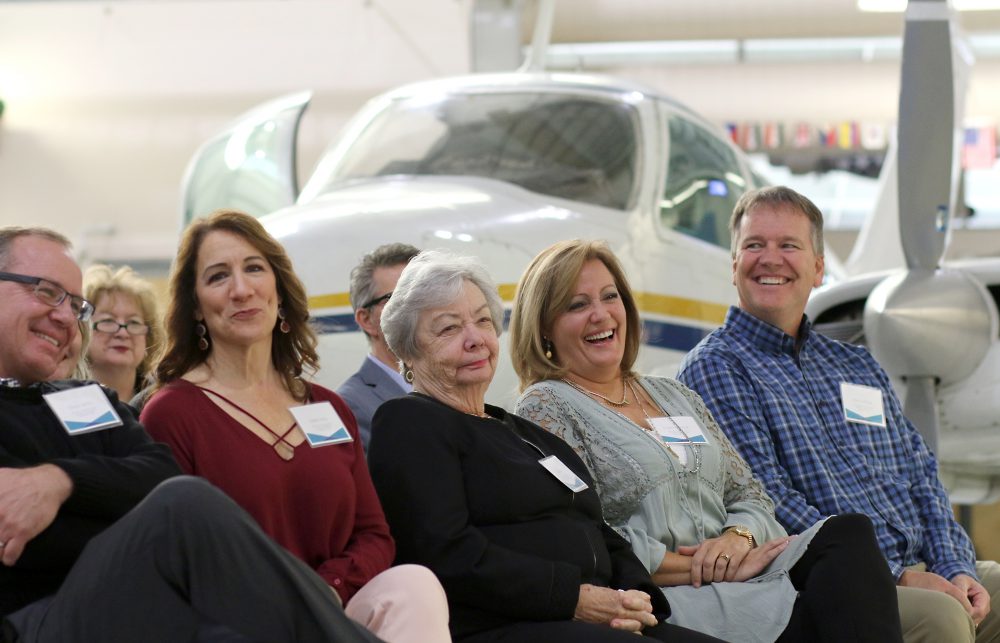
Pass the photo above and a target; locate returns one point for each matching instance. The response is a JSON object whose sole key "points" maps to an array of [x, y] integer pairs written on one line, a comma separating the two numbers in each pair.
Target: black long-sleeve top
{"points": [[112, 470], [467, 497]]}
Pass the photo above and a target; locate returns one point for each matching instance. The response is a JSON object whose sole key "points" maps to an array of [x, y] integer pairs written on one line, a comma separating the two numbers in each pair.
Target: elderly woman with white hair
{"points": [[503, 512]]}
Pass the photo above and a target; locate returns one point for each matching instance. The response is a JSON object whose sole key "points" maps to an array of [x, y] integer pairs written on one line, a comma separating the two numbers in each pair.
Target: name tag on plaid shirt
{"points": [[862, 404]]}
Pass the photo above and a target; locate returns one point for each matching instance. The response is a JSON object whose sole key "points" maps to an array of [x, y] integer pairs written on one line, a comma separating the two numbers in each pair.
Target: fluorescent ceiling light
{"points": [[900, 5]]}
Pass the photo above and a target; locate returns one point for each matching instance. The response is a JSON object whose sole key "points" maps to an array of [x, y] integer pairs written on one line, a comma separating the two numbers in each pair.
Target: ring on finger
{"points": [[724, 557]]}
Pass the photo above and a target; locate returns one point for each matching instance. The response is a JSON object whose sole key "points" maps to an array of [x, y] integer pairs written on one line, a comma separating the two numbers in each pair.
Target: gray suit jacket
{"points": [[364, 392]]}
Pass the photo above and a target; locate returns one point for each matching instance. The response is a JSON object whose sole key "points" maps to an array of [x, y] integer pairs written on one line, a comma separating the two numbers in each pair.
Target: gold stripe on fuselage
{"points": [[667, 305]]}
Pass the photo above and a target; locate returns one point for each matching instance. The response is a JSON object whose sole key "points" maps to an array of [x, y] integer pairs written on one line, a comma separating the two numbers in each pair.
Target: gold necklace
{"points": [[610, 402]]}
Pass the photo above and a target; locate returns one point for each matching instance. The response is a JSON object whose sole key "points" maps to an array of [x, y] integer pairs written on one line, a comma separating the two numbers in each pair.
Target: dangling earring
{"points": [[202, 333], [547, 345], [407, 374], [283, 326]]}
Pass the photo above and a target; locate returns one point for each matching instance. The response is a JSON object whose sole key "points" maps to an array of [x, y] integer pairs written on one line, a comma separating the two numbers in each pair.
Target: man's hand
{"points": [[930, 580], [29, 501], [630, 610], [978, 597]]}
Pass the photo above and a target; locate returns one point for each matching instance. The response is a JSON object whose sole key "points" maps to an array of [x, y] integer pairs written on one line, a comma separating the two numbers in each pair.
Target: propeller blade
{"points": [[927, 151], [920, 407]]}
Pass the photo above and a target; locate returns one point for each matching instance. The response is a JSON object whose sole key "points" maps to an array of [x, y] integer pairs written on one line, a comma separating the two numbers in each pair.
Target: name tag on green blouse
{"points": [[679, 429]]}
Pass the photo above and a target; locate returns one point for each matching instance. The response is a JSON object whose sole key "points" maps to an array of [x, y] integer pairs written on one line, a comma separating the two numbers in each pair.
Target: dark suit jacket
{"points": [[364, 392]]}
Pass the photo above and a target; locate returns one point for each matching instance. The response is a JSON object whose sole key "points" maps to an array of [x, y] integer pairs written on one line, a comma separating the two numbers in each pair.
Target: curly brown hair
{"points": [[292, 353]]}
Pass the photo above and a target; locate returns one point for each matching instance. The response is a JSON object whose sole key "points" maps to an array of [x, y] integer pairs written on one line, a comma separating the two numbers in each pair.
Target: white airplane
{"points": [[500, 166], [497, 167]]}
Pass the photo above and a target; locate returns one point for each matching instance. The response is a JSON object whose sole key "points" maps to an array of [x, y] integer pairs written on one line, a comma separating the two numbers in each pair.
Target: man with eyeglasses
{"points": [[378, 379], [96, 544]]}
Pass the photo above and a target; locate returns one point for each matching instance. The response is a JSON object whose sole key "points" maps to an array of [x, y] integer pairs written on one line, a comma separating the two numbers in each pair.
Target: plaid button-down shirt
{"points": [[780, 404]]}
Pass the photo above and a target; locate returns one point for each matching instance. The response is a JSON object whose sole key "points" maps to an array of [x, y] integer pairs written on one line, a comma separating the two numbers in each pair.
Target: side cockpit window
{"points": [[703, 183]]}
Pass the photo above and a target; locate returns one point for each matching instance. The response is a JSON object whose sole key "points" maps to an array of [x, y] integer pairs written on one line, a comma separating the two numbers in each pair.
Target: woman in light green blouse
{"points": [[669, 479]]}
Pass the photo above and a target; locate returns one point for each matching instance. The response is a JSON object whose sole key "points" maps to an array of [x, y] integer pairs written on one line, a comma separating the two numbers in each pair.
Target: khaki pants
{"points": [[934, 617]]}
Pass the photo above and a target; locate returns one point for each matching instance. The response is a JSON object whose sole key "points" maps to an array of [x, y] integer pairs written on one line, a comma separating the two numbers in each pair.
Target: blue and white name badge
{"points": [[678, 429], [862, 404], [83, 409], [321, 424], [677, 432], [563, 473]]}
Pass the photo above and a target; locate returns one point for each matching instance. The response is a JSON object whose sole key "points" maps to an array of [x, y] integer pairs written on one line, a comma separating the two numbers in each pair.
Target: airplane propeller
{"points": [[928, 325]]}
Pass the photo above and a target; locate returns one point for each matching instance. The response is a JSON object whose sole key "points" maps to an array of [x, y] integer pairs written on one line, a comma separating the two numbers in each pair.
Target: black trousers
{"points": [[579, 632], [184, 563], [846, 592]]}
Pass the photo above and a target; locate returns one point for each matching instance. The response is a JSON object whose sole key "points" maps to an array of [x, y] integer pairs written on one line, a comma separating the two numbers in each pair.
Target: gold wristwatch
{"points": [[741, 530]]}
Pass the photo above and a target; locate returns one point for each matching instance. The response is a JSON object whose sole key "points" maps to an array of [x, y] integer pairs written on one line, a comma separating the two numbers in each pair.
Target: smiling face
{"points": [[457, 348], [589, 336], [117, 349], [236, 290], [36, 335], [776, 266]]}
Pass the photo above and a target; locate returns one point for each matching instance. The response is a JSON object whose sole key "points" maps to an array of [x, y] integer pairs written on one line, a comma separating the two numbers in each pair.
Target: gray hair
{"points": [[386, 256], [433, 278], [9, 234], [776, 196]]}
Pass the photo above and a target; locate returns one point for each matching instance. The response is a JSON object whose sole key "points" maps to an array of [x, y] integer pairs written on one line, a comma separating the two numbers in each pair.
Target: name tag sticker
{"points": [[83, 409], [563, 473], [321, 424], [679, 429], [862, 404]]}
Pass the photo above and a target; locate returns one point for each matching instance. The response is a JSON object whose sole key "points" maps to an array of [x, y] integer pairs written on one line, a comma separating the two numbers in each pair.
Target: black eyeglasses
{"points": [[52, 294], [111, 327], [378, 300]]}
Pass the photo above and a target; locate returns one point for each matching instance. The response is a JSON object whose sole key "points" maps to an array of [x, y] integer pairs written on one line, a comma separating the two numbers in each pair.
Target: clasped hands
{"points": [[629, 610], [730, 558], [963, 588]]}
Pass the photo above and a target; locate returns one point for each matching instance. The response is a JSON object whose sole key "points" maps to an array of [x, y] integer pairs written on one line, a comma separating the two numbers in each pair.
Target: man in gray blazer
{"points": [[378, 379]]}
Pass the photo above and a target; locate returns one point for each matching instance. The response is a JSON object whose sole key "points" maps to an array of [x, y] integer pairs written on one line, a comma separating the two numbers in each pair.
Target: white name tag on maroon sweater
{"points": [[321, 424]]}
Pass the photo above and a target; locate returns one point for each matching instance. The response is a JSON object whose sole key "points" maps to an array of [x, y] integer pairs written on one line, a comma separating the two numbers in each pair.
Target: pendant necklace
{"points": [[652, 431]]}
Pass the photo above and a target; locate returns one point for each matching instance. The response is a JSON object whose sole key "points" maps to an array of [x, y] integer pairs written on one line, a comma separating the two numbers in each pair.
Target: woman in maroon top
{"points": [[238, 343]]}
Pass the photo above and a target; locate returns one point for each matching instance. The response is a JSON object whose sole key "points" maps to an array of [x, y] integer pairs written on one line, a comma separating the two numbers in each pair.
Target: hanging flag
{"points": [[733, 130], [979, 151], [846, 133], [804, 135], [874, 136], [772, 135]]}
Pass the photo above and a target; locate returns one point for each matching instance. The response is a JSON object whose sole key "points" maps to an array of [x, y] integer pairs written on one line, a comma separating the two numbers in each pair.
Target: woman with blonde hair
{"points": [[239, 349], [671, 482], [126, 328]]}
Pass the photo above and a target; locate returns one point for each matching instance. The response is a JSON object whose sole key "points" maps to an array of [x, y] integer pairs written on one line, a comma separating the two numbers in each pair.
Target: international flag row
{"points": [[848, 135], [979, 148]]}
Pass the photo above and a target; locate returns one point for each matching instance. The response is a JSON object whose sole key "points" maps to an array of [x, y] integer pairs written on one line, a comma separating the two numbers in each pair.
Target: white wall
{"points": [[106, 102]]}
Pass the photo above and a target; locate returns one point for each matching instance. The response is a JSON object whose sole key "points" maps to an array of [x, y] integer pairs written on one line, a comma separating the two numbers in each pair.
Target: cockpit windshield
{"points": [[567, 146]]}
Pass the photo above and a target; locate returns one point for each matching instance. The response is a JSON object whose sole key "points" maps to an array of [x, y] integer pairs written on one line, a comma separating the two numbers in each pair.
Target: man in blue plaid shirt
{"points": [[774, 385]]}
